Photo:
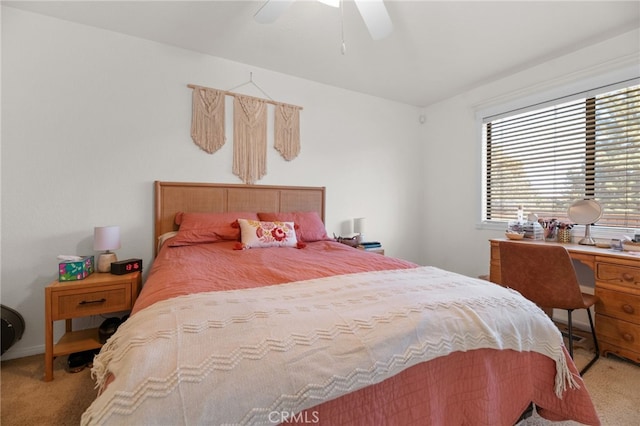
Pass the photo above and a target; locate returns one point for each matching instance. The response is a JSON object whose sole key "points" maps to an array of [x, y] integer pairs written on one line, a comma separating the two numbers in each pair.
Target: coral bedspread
{"points": [[190, 269], [476, 384]]}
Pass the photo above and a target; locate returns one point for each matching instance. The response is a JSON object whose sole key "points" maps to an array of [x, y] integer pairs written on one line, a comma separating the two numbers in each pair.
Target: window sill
{"points": [[597, 232]]}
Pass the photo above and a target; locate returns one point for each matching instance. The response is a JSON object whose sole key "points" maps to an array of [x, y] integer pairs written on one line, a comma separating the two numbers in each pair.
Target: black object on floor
{"points": [[12, 327], [77, 361], [108, 328]]}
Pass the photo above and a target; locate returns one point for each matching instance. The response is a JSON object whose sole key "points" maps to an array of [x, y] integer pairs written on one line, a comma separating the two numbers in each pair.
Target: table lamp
{"points": [[106, 238], [358, 228]]}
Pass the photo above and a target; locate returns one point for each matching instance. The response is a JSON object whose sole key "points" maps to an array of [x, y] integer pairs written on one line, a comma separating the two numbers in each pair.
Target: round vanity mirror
{"points": [[585, 212]]}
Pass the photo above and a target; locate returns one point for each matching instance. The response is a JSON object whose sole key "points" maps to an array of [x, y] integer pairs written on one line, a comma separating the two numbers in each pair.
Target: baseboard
{"points": [[22, 352], [560, 317], [576, 339]]}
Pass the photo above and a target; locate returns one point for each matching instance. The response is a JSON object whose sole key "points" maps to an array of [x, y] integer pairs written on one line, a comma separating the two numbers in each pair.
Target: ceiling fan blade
{"points": [[376, 18], [271, 10]]}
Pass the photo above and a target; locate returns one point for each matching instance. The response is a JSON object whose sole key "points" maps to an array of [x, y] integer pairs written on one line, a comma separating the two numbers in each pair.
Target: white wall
{"points": [[453, 238], [91, 118]]}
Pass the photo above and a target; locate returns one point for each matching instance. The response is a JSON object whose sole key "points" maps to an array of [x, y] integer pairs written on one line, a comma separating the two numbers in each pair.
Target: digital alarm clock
{"points": [[126, 266]]}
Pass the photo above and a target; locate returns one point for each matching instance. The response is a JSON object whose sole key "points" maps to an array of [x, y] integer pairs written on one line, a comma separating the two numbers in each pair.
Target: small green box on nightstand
{"points": [[73, 270]]}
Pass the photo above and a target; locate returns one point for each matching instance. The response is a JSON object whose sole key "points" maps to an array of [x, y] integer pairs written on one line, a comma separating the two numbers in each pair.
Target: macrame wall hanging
{"points": [[249, 128], [249, 138], [287, 131], [207, 121]]}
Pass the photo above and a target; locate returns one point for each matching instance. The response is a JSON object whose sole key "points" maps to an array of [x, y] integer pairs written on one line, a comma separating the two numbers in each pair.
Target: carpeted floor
{"points": [[27, 400], [613, 385]]}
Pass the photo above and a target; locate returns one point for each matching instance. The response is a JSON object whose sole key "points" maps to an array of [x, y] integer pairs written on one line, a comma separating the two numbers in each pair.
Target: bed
{"points": [[251, 314]]}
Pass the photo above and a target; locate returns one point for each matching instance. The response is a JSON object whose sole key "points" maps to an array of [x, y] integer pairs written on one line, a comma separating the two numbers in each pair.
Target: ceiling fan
{"points": [[373, 12]]}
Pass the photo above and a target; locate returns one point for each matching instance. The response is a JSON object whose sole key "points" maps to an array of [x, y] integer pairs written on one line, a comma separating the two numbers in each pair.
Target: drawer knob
{"points": [[88, 302], [627, 308], [628, 337], [627, 276]]}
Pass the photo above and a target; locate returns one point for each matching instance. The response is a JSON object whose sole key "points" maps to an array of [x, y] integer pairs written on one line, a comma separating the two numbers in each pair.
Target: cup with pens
{"points": [[550, 228], [555, 230], [564, 232]]}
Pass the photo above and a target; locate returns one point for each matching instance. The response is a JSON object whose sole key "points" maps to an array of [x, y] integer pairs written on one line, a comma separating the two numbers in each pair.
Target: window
{"points": [[551, 155]]}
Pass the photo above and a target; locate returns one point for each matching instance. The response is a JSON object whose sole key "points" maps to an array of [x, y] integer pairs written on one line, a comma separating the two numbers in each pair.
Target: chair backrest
{"points": [[542, 273]]}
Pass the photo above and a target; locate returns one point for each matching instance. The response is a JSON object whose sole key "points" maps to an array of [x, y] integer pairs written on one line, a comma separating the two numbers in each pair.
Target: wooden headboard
{"points": [[173, 197]]}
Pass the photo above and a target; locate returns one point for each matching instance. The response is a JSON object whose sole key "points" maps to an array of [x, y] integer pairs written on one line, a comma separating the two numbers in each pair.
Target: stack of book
{"points": [[370, 245]]}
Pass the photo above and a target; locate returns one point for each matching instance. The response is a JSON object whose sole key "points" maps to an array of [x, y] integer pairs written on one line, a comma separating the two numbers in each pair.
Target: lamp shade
{"points": [[359, 225], [106, 238]]}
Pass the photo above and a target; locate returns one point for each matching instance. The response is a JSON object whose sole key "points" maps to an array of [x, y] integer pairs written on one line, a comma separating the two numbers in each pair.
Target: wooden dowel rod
{"points": [[194, 86]]}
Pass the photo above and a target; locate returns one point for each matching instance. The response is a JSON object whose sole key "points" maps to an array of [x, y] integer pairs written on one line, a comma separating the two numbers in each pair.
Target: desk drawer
{"points": [[73, 304], [617, 332], [618, 305], [627, 276]]}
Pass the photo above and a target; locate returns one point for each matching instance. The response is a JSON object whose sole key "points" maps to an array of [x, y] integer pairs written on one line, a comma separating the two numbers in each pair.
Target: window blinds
{"points": [[546, 158]]}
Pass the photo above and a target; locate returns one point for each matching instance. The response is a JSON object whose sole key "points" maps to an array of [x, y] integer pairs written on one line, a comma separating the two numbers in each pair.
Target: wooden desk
{"points": [[617, 285]]}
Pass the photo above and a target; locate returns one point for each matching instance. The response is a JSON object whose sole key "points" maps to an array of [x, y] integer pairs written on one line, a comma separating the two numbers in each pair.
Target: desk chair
{"points": [[545, 275]]}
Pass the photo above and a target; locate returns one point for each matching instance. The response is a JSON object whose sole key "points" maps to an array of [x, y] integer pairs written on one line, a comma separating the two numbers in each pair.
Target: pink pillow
{"points": [[309, 226], [255, 233], [202, 228]]}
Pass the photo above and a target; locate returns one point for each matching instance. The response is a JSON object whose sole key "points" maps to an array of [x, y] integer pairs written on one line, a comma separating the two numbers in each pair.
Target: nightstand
{"points": [[99, 293]]}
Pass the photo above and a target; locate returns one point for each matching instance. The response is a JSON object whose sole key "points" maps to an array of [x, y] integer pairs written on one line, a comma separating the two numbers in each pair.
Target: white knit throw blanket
{"points": [[233, 357]]}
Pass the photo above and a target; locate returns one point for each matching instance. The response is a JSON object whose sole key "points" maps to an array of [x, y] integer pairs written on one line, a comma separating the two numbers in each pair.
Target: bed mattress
{"points": [[459, 380]]}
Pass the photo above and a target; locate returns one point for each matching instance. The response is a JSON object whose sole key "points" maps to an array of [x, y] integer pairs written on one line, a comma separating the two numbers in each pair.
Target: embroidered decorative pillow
{"points": [[255, 233], [309, 226], [203, 228]]}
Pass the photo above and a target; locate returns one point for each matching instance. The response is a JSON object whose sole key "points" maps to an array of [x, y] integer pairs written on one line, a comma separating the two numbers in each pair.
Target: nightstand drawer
{"points": [[73, 304], [618, 305]]}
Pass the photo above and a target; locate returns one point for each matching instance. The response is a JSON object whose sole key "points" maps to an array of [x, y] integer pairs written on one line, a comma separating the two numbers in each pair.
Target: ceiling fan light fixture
{"points": [[373, 12]]}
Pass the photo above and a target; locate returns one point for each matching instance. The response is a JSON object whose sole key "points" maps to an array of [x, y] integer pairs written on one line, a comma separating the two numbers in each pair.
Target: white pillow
{"points": [[254, 233], [164, 237]]}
